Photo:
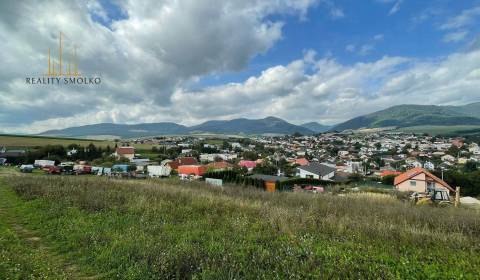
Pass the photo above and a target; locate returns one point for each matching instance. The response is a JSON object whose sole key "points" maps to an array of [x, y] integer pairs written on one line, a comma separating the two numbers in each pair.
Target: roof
{"points": [[248, 163], [268, 178], [191, 169], [125, 150], [182, 161], [389, 172], [318, 168], [301, 161], [219, 165], [416, 171]]}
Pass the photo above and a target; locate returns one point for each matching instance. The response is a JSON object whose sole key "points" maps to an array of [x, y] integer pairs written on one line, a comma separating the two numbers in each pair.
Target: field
{"points": [[23, 141], [437, 129], [99, 228]]}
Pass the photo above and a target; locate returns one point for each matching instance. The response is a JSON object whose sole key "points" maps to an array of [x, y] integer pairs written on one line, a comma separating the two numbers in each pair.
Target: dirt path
{"points": [[31, 242]]}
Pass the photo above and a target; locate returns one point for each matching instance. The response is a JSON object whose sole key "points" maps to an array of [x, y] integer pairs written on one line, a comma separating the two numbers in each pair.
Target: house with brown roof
{"points": [[419, 180], [127, 152], [182, 161]]}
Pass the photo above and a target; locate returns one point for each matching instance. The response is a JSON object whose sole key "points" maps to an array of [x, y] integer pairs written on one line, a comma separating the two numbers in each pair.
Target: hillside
{"points": [[236, 126], [416, 115], [247, 126], [316, 127], [121, 130], [164, 229]]}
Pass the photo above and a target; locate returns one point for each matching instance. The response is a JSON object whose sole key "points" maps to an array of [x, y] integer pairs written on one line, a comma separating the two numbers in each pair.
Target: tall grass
{"points": [[165, 229]]}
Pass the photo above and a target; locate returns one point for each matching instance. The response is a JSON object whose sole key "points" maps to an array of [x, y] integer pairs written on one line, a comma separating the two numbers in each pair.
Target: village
{"points": [[291, 162]]}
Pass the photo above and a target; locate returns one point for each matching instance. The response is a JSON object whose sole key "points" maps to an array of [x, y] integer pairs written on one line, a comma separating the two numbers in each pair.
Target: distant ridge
{"points": [[415, 115], [269, 125], [316, 127]]}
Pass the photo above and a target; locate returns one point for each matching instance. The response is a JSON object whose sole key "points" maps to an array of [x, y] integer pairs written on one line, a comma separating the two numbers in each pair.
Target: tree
{"points": [[266, 169], [470, 166], [250, 155], [388, 180]]}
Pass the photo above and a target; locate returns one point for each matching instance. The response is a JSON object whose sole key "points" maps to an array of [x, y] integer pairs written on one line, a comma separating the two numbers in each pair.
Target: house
{"points": [[316, 171], [301, 161], [219, 165], [197, 170], [270, 181], [448, 158], [126, 152], [182, 161], [249, 164], [419, 180], [457, 142]]}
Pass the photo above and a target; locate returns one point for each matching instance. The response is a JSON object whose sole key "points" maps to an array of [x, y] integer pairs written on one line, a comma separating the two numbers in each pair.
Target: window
{"points": [[413, 183]]}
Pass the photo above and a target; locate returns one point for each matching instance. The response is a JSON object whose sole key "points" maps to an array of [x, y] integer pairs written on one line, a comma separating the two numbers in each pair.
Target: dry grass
{"points": [[164, 229]]}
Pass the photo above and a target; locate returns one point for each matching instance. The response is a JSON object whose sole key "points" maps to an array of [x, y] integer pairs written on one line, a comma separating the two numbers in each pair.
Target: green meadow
{"points": [[56, 227]]}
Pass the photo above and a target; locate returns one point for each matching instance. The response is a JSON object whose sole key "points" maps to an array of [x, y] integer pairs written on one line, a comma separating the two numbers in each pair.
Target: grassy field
{"points": [[21, 141], [110, 229], [437, 129]]}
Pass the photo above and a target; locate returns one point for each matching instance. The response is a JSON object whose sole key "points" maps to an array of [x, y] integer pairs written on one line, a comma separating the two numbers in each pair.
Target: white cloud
{"points": [[143, 59], [350, 48], [149, 61], [465, 18], [395, 8], [455, 36]]}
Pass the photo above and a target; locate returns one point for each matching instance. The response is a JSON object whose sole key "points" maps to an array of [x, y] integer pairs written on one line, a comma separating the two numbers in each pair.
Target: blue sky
{"points": [[414, 30], [189, 61]]}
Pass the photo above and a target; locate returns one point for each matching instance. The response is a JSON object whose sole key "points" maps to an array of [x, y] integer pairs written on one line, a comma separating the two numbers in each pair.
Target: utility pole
{"points": [[457, 196]]}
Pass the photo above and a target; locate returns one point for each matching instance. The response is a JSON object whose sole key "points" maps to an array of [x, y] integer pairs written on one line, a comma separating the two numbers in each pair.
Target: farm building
{"points": [[419, 180]]}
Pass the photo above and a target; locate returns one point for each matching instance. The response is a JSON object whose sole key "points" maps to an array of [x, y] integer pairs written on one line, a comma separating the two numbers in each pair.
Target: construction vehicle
{"points": [[435, 196]]}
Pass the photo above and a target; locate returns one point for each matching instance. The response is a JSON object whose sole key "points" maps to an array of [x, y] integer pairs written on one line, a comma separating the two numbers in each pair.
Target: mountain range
{"points": [[269, 125], [415, 115], [396, 116]]}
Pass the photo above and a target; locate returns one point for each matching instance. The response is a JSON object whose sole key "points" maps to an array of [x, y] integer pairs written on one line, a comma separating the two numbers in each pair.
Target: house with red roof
{"points": [[389, 172], [249, 164], [126, 152], [419, 180], [302, 161], [187, 170], [182, 161]]}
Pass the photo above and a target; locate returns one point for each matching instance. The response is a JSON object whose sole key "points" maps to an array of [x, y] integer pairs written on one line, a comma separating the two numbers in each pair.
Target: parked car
{"points": [[52, 169], [82, 169], [67, 170], [26, 168]]}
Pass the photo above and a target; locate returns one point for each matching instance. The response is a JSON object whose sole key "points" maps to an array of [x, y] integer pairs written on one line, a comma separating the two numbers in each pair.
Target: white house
{"points": [[316, 171]]}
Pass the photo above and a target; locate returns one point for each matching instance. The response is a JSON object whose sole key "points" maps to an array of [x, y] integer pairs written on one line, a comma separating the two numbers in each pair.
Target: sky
{"points": [[189, 61]]}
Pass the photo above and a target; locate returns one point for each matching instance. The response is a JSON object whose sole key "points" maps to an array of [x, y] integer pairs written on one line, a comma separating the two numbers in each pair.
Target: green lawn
{"points": [[160, 229]]}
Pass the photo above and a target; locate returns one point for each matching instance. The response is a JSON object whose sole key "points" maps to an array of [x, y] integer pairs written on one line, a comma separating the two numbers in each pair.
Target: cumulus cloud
{"points": [[143, 58], [149, 60]]}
